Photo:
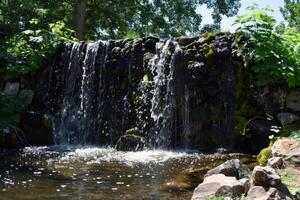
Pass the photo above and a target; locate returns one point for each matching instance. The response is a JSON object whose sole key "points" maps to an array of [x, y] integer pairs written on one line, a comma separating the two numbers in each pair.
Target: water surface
{"points": [[69, 173]]}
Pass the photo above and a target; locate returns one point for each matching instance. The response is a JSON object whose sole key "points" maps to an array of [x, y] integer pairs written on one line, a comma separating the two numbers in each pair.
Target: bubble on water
{"points": [[98, 178], [99, 182], [129, 175], [114, 189], [127, 185], [152, 176], [120, 183], [148, 174], [58, 190], [37, 173], [63, 186]]}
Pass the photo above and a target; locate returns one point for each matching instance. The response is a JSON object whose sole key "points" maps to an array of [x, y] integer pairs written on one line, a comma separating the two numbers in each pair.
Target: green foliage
{"points": [[10, 109], [271, 57], [29, 50], [114, 19], [291, 13]]}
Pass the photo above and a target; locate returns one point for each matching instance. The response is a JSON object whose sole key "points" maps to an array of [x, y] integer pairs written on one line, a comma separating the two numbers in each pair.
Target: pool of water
{"points": [[64, 172]]}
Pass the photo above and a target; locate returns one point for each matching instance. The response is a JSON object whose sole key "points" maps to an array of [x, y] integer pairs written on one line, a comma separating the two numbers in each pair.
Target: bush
{"points": [[273, 58], [30, 50]]}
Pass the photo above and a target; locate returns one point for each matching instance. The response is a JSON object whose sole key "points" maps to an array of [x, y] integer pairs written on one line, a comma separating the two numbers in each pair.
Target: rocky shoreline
{"points": [[280, 179]]}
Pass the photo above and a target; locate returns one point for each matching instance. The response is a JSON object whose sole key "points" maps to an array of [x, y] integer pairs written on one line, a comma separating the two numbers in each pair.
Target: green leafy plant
{"points": [[30, 50], [271, 57]]}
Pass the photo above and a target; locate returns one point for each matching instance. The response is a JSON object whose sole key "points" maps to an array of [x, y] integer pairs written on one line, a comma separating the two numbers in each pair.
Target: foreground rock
{"points": [[233, 168], [275, 162], [265, 193], [219, 184], [288, 150], [267, 177]]}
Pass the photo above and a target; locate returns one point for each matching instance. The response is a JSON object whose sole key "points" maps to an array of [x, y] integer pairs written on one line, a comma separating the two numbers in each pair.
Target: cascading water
{"points": [[168, 92]]}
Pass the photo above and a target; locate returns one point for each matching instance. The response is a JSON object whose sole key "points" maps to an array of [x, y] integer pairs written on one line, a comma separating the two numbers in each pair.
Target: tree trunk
{"points": [[80, 18]]}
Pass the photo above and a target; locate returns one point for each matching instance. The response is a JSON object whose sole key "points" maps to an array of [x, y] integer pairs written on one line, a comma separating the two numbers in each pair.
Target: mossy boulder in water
{"points": [[130, 142]]}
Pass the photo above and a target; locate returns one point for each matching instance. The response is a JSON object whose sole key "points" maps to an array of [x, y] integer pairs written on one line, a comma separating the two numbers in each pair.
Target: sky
{"points": [[227, 22]]}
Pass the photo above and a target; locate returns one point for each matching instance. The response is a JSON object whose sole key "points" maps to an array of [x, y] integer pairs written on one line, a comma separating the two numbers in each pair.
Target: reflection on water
{"points": [[61, 172]]}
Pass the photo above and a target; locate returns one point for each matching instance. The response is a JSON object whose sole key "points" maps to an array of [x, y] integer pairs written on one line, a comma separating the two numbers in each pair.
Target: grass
{"points": [[290, 181]]}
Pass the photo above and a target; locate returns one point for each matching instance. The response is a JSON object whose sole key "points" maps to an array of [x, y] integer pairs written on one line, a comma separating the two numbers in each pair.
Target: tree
{"points": [[291, 13], [94, 19]]}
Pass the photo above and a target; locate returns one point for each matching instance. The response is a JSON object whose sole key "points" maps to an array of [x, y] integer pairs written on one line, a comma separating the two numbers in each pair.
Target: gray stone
{"points": [[293, 158], [267, 177], [232, 167], [275, 162], [26, 96], [265, 193], [219, 184], [287, 118], [293, 100], [12, 89]]}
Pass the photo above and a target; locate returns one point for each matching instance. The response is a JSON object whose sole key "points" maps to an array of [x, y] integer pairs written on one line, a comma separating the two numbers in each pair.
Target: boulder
{"points": [[219, 184], [282, 147], [187, 179], [293, 100], [233, 168], [26, 97], [266, 193], [11, 89], [267, 177], [130, 143], [275, 162], [293, 158], [37, 128], [287, 118]]}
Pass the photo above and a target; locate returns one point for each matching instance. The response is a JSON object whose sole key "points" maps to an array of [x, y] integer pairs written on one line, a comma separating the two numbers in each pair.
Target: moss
{"points": [[208, 52], [263, 155], [208, 36]]}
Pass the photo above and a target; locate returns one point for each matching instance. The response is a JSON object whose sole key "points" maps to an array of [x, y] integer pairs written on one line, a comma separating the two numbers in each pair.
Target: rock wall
{"points": [[187, 93]]}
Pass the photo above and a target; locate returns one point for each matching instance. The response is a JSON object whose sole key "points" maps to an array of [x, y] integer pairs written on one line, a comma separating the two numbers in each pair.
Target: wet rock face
{"points": [[178, 93]]}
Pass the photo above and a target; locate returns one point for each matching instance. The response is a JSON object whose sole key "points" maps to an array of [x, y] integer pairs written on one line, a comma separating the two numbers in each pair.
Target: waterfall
{"points": [[165, 92]]}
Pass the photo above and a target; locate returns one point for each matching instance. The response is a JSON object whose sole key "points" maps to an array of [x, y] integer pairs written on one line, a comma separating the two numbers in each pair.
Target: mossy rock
{"points": [[264, 155], [130, 142]]}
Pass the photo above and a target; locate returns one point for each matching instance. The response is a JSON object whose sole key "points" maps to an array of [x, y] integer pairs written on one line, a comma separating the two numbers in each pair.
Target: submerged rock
{"points": [[219, 184], [130, 143], [186, 180], [233, 168]]}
